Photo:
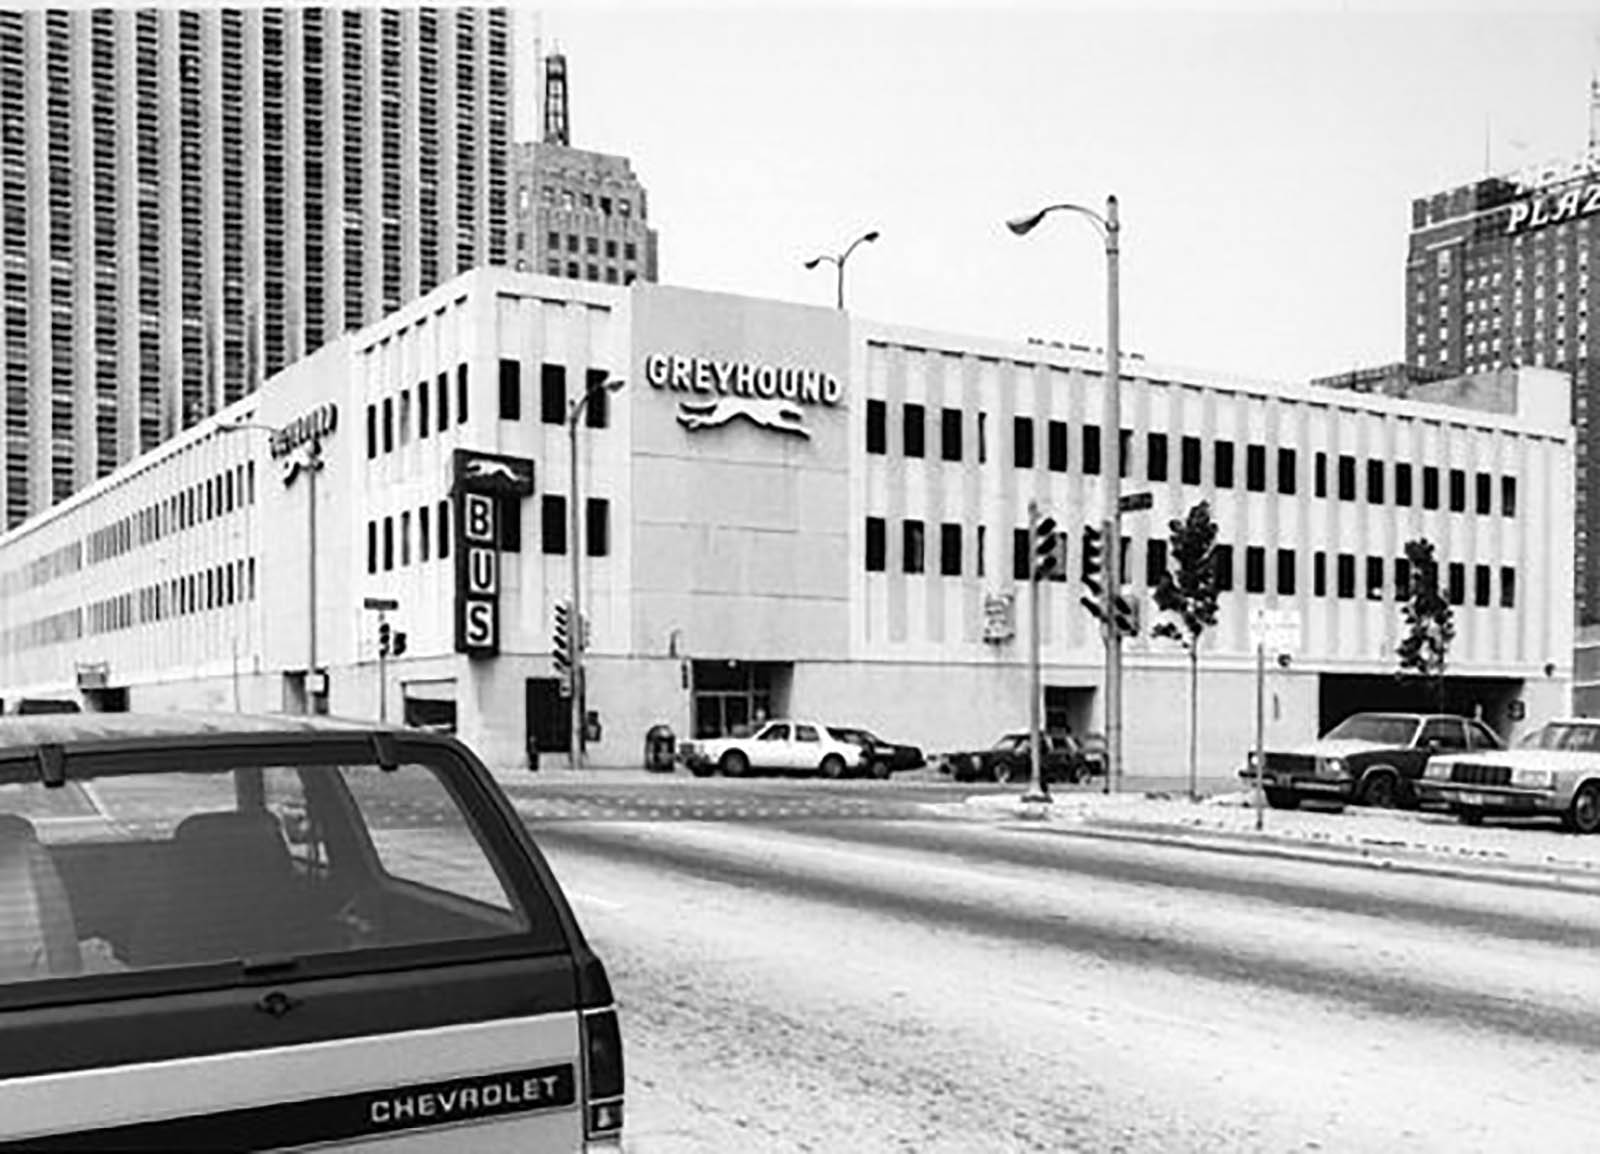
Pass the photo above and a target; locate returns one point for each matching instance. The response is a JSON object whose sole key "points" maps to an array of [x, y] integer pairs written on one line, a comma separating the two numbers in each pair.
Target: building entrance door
{"points": [[731, 695], [548, 715]]}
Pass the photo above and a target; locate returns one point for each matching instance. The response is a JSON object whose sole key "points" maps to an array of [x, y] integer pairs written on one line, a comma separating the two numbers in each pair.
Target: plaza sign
{"points": [[1554, 207], [774, 397]]}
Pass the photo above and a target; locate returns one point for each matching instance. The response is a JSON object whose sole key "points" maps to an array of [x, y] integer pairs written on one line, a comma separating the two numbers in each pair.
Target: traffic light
{"points": [[561, 639], [1047, 546], [385, 638], [1125, 612], [397, 643], [1094, 558]]}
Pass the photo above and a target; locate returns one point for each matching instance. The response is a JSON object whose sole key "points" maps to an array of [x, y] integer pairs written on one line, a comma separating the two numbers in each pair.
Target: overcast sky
{"points": [[1265, 162]]}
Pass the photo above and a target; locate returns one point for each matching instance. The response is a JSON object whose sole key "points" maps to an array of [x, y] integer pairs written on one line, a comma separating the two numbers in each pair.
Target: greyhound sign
{"points": [[720, 392]]}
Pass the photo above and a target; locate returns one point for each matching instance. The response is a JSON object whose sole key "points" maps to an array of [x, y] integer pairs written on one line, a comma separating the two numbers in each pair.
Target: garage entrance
{"points": [[1339, 695]]}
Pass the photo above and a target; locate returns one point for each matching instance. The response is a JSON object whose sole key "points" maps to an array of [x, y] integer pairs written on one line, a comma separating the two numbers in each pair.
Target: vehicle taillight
{"points": [[602, 1074]]}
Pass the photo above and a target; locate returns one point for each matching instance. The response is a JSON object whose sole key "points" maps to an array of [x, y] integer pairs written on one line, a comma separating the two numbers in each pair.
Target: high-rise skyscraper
{"points": [[191, 199], [578, 214]]}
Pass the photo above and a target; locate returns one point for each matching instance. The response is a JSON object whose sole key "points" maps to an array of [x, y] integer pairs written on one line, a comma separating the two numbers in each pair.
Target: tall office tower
{"points": [[578, 214], [191, 199]]}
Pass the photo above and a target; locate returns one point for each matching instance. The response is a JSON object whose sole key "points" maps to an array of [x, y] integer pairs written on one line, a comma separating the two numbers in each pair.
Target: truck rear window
{"points": [[231, 861]]}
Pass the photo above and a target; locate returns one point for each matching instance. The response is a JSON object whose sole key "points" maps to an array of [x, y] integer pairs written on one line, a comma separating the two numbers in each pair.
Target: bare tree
{"points": [[1430, 622], [1187, 593]]}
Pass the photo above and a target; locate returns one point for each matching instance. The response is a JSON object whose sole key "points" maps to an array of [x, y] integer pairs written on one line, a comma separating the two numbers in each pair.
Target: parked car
{"points": [[1368, 758], [786, 746], [1011, 759], [338, 929], [1095, 759], [1554, 770], [883, 757]]}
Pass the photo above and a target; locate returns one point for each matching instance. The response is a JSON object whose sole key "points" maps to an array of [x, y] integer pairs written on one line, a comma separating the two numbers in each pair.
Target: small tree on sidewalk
{"points": [[1430, 623], [1187, 593]]}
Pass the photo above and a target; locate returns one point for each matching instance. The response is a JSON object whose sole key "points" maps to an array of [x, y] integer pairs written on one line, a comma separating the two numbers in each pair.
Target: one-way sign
{"points": [[1136, 502]]}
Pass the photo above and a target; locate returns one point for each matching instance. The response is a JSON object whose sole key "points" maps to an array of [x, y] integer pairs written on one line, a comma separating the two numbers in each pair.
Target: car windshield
{"points": [[853, 736], [1384, 729], [1011, 741], [1564, 735], [236, 859]]}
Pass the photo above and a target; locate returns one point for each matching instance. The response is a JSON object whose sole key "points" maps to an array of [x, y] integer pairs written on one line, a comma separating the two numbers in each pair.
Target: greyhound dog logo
{"points": [[770, 413], [482, 468]]}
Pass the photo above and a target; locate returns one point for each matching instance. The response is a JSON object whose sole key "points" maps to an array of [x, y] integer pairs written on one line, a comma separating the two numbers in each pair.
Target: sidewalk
{"points": [[1540, 853]]}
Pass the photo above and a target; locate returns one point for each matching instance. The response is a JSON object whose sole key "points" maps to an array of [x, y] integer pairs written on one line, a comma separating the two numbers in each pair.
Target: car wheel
{"points": [[1283, 799], [734, 764], [1380, 789], [1001, 772], [879, 769], [1469, 815], [1584, 815], [833, 767], [701, 769]]}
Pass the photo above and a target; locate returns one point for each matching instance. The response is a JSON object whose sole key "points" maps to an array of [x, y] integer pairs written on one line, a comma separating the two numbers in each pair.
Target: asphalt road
{"points": [[822, 981]]}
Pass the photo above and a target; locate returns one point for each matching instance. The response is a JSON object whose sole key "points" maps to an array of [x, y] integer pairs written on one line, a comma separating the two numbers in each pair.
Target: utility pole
{"points": [[1036, 790], [575, 544], [1261, 727], [1113, 495]]}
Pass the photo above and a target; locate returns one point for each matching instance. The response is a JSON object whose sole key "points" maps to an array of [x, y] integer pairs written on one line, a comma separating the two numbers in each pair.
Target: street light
{"points": [[311, 466], [1110, 228], [838, 261], [577, 740]]}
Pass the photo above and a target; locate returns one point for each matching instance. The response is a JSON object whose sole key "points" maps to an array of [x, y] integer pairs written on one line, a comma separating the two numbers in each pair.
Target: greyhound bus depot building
{"points": [[785, 510]]}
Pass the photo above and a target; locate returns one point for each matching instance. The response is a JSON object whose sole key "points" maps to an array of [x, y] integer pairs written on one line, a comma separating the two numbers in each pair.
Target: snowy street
{"points": [[921, 985]]}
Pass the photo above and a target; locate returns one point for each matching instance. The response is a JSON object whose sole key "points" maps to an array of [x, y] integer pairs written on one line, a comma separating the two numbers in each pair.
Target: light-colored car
{"points": [[1554, 770], [784, 746]]}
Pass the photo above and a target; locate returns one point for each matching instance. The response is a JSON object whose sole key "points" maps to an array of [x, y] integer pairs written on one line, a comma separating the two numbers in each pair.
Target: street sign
{"points": [[999, 618], [1275, 629], [1136, 502], [382, 604]]}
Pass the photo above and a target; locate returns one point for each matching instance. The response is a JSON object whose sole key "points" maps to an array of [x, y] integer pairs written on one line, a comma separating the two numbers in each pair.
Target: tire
{"points": [[1380, 788], [1001, 773], [734, 764], [833, 767], [1469, 815], [879, 770], [1282, 798], [1584, 814], [702, 769]]}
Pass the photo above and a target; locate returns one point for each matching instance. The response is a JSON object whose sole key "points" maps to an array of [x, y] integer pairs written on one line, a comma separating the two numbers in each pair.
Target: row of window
{"points": [[591, 271], [389, 424], [952, 562], [215, 587], [421, 535], [630, 250], [1257, 461]]}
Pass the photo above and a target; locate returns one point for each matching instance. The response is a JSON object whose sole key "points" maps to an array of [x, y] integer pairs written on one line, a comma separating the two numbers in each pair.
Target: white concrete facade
{"points": [[728, 547]]}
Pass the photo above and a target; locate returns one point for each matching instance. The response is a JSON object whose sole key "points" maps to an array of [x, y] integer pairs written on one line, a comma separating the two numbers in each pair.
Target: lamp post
{"points": [[578, 741], [311, 465], [838, 262], [1110, 228]]}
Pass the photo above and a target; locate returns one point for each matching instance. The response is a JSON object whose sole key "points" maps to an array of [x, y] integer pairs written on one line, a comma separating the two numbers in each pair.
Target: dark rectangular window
{"points": [[912, 547], [1189, 452], [1286, 472], [1319, 574], [1347, 477], [877, 427], [510, 390], [1222, 465], [1021, 554], [877, 545], [424, 542], [597, 527], [1375, 482], [983, 438], [979, 566], [388, 544], [1319, 475], [950, 550], [444, 530], [1223, 564], [1485, 497], [1374, 578], [1482, 580], [388, 424], [509, 514], [1091, 450], [1508, 497], [1458, 491], [913, 431], [1286, 562], [1255, 468], [1508, 587], [372, 431], [372, 546], [1155, 562], [1458, 583], [443, 397], [1056, 446], [422, 410], [1125, 451], [553, 524], [1402, 579], [1155, 451], [553, 394], [1402, 485], [1430, 487], [1022, 442], [597, 413], [461, 393], [950, 435], [1255, 569], [1347, 575]]}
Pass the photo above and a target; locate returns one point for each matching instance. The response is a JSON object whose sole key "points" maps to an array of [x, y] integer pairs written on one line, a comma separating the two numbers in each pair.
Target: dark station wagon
{"points": [[1368, 758], [225, 932]]}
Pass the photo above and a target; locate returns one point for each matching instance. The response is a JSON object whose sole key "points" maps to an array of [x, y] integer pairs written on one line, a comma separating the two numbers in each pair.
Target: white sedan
{"points": [[784, 746], [1554, 770]]}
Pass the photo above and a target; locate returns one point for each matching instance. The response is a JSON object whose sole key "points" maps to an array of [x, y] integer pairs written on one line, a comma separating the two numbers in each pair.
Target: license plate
{"points": [[1471, 799]]}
